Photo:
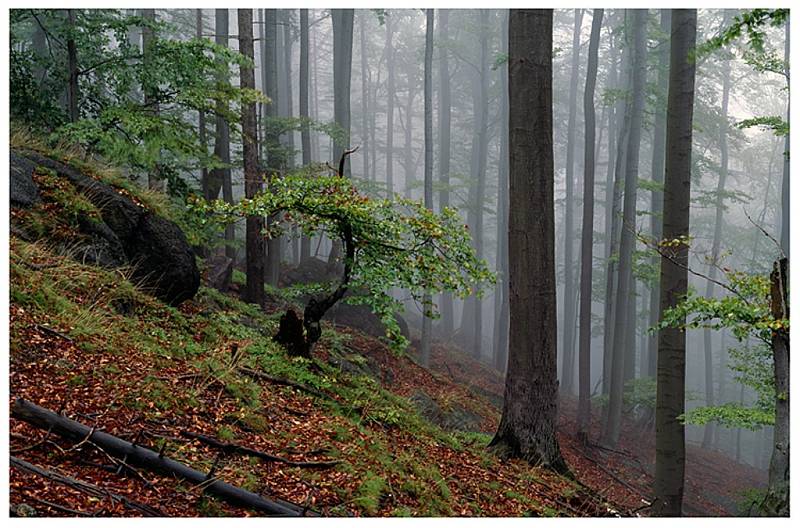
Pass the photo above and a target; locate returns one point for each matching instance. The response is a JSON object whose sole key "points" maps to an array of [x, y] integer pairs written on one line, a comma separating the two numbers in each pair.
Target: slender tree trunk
{"points": [[657, 175], [444, 149], [73, 92], [154, 180], [708, 430], [501, 295], [390, 96], [365, 94], [671, 384], [254, 288], [627, 242], [587, 235], [568, 351], [201, 117], [528, 425], [305, 133], [425, 355], [785, 182]]}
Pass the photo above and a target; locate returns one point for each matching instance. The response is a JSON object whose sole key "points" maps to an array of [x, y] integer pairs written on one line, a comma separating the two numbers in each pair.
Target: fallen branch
{"points": [[613, 476], [85, 487], [53, 332], [242, 450], [145, 458], [281, 381]]}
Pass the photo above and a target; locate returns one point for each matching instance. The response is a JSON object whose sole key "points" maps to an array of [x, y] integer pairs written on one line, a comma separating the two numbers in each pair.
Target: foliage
{"points": [[750, 23], [746, 313], [777, 124], [397, 243]]}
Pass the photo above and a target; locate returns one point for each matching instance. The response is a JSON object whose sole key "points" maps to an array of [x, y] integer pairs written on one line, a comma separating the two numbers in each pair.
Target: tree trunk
{"points": [[528, 425], [201, 115], [305, 133], [587, 235], [657, 175], [390, 95], [785, 182], [271, 141], [671, 385], [154, 180], [365, 94], [776, 502], [444, 152], [425, 352], [567, 348], [254, 244], [627, 242], [73, 92], [501, 293], [708, 430]]}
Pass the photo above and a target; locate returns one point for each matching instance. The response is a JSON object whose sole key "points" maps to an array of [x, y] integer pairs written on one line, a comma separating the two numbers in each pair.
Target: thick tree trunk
{"points": [[365, 94], [528, 425], [627, 242], [141, 457], [671, 385], [444, 153], [305, 133], [342, 67], [271, 141], [254, 244], [425, 352], [222, 142], [567, 348], [657, 175], [777, 500], [587, 235], [708, 430], [501, 293]]}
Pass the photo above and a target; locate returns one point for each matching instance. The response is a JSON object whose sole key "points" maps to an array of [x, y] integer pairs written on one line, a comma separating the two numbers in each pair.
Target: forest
{"points": [[398, 262]]}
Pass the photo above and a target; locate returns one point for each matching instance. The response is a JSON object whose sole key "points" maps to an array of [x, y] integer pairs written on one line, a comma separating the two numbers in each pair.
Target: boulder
{"points": [[455, 417], [23, 190], [129, 234]]}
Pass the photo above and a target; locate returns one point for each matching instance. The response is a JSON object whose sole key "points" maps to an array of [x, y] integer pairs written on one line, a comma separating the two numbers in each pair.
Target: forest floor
{"points": [[401, 440]]}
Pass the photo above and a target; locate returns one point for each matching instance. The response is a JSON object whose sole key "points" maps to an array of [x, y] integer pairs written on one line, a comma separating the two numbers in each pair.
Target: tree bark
{"points": [[271, 141], [671, 385], [73, 92], [785, 181], [305, 132], [528, 424], [201, 115], [425, 352], [390, 95], [567, 345], [365, 94], [587, 234], [254, 243], [627, 242], [154, 180]]}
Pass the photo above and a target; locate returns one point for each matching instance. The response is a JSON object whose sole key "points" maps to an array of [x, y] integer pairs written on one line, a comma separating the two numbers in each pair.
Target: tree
{"points": [[387, 244], [342, 67], [568, 341], [390, 96], [625, 276], [500, 340], [305, 132], [528, 424], [365, 94], [254, 241], [786, 172], [444, 148], [73, 91], [201, 114], [271, 137], [425, 352], [671, 387], [587, 234], [148, 36]]}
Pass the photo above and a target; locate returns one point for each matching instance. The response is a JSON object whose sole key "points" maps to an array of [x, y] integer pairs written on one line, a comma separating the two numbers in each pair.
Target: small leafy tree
{"points": [[387, 244]]}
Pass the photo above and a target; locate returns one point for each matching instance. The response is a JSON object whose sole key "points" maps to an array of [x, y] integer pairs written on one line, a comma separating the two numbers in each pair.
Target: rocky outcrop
{"points": [[23, 190], [129, 234]]}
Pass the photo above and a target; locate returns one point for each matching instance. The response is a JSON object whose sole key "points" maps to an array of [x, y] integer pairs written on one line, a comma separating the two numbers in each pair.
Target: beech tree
{"points": [[528, 424], [671, 387], [425, 347]]}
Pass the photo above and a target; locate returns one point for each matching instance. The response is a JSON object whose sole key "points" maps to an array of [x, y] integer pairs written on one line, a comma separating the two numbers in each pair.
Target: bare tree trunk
{"points": [[627, 242], [390, 95], [305, 133], [785, 182], [254, 288], [587, 235], [154, 180], [444, 151], [708, 430], [528, 425], [568, 351], [657, 175], [671, 383], [269, 82], [425, 353], [73, 92], [201, 115], [365, 93], [501, 293]]}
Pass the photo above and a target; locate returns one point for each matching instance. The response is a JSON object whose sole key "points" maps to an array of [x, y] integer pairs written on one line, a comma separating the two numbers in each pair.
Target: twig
{"points": [[53, 331], [280, 381]]}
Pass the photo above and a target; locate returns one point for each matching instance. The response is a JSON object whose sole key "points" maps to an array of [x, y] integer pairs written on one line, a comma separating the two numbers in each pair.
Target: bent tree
{"points": [[387, 244], [528, 425], [671, 380]]}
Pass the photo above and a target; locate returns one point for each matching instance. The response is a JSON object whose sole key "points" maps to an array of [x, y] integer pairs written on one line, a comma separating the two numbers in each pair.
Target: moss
{"points": [[370, 492]]}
